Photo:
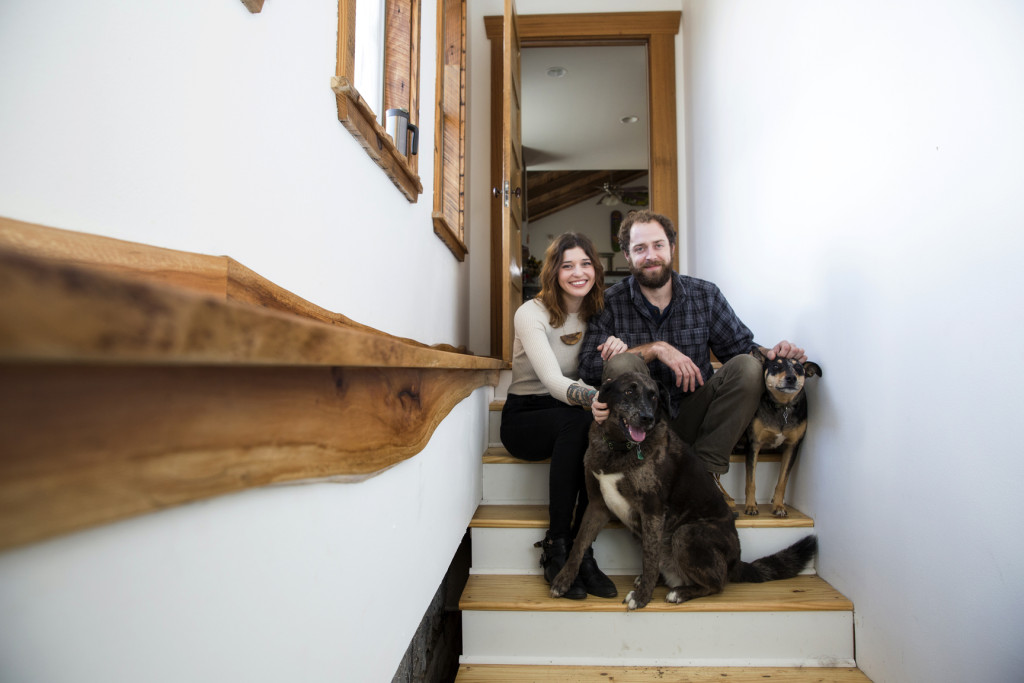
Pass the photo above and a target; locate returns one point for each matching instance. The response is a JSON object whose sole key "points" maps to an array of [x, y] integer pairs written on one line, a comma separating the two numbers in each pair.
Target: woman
{"points": [[544, 414]]}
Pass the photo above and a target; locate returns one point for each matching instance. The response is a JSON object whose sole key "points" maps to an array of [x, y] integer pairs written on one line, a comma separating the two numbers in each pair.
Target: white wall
{"points": [[856, 175], [198, 126]]}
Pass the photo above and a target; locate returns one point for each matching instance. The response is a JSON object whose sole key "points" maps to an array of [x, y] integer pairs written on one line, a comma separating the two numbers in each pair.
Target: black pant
{"points": [[539, 427]]}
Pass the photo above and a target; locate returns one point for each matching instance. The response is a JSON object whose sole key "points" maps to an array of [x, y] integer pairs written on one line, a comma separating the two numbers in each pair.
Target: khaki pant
{"points": [[712, 418]]}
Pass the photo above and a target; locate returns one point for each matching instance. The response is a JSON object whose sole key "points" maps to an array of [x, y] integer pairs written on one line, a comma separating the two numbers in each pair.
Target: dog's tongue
{"points": [[636, 434]]}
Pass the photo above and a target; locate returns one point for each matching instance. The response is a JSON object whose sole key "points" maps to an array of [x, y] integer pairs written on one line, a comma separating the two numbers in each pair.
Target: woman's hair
{"points": [[644, 216], [551, 294]]}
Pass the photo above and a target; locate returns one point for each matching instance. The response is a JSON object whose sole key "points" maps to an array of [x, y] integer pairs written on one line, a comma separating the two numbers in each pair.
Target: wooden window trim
{"points": [[450, 127], [401, 89]]}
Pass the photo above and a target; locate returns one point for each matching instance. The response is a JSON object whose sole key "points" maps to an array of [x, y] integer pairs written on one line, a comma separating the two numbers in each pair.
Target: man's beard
{"points": [[651, 280]]}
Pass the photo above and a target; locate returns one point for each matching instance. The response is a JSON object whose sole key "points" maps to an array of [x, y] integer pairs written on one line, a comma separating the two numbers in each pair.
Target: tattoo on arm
{"points": [[580, 395]]}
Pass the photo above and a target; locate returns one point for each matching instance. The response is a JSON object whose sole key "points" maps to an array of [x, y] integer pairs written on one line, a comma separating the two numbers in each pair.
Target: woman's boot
{"points": [[594, 580], [554, 553]]}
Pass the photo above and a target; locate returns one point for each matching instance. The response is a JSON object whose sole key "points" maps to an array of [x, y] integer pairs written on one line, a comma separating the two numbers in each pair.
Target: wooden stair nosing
{"points": [[527, 592], [497, 455], [536, 517], [511, 673]]}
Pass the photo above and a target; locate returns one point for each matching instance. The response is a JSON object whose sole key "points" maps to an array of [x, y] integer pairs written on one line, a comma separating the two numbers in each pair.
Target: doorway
{"points": [[656, 32]]}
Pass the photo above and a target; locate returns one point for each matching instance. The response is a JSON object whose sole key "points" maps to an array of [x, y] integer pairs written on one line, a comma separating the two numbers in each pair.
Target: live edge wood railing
{"points": [[134, 378]]}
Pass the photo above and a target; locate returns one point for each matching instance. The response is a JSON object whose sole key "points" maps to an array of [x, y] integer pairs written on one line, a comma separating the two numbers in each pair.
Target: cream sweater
{"points": [[541, 362]]}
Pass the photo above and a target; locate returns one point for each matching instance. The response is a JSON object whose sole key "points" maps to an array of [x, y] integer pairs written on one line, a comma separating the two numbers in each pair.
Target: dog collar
{"points": [[627, 446]]}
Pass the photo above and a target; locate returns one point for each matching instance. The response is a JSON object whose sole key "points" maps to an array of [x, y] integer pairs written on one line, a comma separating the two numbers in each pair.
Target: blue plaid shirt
{"points": [[699, 319]]}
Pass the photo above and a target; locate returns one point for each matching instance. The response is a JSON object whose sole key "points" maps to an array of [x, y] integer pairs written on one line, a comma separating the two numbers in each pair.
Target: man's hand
{"points": [[686, 371], [785, 349], [612, 346], [599, 410]]}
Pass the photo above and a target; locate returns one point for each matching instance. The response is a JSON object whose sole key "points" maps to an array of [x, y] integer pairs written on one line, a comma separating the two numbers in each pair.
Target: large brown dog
{"points": [[639, 469]]}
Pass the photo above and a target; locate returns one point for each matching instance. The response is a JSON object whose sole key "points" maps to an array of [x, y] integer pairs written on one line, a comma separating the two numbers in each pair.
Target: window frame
{"points": [[401, 89], [450, 127]]}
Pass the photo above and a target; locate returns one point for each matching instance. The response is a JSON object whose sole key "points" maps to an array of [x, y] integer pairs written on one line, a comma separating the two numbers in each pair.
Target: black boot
{"points": [[554, 553], [594, 580]]}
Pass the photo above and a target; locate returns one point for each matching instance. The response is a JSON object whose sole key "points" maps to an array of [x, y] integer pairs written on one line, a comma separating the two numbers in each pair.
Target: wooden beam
{"points": [[548, 192]]}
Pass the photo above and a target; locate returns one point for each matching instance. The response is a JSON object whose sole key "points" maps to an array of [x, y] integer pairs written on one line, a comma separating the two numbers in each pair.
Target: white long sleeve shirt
{"points": [[542, 361]]}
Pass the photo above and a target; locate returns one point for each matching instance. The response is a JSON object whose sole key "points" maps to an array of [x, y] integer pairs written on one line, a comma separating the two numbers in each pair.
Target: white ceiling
{"points": [[573, 122]]}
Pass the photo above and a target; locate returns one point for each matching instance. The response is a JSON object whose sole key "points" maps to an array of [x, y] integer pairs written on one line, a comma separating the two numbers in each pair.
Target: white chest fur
{"points": [[612, 498]]}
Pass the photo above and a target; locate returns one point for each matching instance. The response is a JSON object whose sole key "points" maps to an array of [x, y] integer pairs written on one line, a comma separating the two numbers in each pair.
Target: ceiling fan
{"points": [[613, 195]]}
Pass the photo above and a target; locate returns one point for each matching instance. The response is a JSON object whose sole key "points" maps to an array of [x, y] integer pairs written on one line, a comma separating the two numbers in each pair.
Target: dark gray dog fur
{"points": [[637, 468]]}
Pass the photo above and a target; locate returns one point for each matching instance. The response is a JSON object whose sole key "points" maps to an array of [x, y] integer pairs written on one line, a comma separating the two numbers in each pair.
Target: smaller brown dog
{"points": [[781, 418]]}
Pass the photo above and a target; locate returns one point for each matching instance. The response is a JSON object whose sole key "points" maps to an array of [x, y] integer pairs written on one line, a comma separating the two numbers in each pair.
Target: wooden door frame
{"points": [[656, 30]]}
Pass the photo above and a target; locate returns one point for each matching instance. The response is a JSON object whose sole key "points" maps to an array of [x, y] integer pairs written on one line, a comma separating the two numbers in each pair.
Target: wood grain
{"points": [[536, 517], [87, 445], [511, 673], [530, 592], [134, 378]]}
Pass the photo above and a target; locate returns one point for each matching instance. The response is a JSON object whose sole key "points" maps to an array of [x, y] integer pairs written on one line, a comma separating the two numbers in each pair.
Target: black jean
{"points": [[539, 427]]}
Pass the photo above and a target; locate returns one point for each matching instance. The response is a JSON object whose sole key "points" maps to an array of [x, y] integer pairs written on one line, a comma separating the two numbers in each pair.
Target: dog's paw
{"points": [[674, 596], [559, 586], [780, 511], [634, 600], [751, 509]]}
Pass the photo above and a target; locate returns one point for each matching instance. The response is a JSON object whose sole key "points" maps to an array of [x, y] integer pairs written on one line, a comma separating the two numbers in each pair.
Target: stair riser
{"points": [[525, 483], [659, 639], [511, 551]]}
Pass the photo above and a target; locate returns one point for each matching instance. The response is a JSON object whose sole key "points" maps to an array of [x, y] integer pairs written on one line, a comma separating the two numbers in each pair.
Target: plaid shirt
{"points": [[698, 319]]}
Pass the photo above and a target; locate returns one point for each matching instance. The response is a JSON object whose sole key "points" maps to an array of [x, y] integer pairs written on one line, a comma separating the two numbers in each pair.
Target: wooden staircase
{"points": [[799, 629]]}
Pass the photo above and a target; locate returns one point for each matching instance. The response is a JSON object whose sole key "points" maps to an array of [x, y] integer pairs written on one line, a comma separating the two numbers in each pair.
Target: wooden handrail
{"points": [[133, 378]]}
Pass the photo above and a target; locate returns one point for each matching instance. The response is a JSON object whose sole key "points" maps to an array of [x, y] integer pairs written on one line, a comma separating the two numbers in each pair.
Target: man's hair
{"points": [[644, 216], [551, 294]]}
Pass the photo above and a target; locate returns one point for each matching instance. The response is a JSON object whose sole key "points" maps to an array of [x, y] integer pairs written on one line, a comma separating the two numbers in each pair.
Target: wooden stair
{"points": [[490, 673], [799, 629]]}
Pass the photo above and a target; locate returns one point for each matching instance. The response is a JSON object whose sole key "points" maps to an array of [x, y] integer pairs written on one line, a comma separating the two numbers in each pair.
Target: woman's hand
{"points": [[612, 346], [600, 411]]}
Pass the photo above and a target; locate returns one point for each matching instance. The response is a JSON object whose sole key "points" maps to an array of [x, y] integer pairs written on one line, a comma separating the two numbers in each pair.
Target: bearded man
{"points": [[671, 323]]}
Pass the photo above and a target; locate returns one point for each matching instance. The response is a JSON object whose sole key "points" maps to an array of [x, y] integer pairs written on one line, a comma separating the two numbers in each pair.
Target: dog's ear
{"points": [[759, 352], [812, 369], [602, 392]]}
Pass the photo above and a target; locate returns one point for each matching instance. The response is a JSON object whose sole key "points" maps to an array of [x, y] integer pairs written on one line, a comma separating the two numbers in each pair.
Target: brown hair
{"points": [[644, 216], [551, 294]]}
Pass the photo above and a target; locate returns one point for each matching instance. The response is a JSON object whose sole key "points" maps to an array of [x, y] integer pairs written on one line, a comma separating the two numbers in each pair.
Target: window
{"points": [[388, 64], [450, 134]]}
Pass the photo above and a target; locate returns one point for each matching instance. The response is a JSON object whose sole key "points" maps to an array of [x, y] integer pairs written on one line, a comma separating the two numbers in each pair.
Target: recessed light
{"points": [[629, 119], [557, 71]]}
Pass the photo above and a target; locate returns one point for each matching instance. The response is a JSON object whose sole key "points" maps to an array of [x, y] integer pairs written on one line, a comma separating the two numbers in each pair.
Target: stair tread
{"points": [[497, 455], [525, 592], [510, 673], [536, 517]]}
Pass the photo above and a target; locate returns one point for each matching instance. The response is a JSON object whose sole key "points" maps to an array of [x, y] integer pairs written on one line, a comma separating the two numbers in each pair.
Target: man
{"points": [[672, 322]]}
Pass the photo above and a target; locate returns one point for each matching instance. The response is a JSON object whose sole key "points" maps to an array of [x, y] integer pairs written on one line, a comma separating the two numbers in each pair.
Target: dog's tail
{"points": [[784, 564]]}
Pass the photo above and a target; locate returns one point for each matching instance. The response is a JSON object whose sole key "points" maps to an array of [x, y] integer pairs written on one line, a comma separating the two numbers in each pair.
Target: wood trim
{"points": [[126, 390], [664, 171], [401, 64], [358, 117], [450, 127]]}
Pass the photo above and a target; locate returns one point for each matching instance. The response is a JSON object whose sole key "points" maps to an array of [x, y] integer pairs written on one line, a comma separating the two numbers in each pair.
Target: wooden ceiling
{"points": [[549, 192]]}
